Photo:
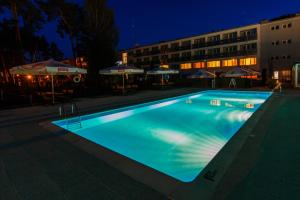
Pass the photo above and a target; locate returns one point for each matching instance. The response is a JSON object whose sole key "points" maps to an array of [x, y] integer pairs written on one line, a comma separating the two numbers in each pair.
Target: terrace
{"points": [[42, 163]]}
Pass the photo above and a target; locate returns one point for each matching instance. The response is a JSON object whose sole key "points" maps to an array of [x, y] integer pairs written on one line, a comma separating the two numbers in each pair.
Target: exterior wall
{"points": [[277, 48], [162, 55], [280, 46]]}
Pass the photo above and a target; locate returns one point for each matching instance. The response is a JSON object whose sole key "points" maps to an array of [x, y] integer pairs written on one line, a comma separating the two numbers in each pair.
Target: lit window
{"points": [[275, 75], [216, 63], [247, 61], [124, 58], [186, 66], [199, 65], [229, 63]]}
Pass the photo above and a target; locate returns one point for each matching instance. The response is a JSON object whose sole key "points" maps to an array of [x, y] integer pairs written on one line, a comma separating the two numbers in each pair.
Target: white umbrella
{"points": [[239, 72], [121, 70], [162, 72], [201, 73], [49, 67]]}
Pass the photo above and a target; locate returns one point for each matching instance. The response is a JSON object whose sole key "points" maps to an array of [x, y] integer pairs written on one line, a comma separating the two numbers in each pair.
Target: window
{"points": [[175, 56], [155, 58], [230, 49], [283, 57], [248, 47], [124, 58], [186, 55], [186, 66], [284, 41], [290, 25], [289, 41], [229, 63], [277, 43], [155, 49], [138, 52], [214, 38], [175, 46], [199, 53], [247, 61], [275, 75], [214, 51], [216, 63], [199, 65], [277, 27], [186, 43], [164, 48], [164, 57], [284, 26], [285, 75], [272, 28]]}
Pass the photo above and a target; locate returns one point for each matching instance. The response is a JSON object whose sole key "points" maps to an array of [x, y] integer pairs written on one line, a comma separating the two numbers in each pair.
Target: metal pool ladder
{"points": [[72, 122]]}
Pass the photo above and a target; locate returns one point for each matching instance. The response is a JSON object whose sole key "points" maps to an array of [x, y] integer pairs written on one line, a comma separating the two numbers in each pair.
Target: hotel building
{"points": [[271, 47]]}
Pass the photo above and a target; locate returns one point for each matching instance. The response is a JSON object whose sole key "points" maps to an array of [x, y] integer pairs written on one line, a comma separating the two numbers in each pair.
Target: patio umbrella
{"points": [[239, 72], [162, 72], [121, 70], [49, 67], [201, 73]]}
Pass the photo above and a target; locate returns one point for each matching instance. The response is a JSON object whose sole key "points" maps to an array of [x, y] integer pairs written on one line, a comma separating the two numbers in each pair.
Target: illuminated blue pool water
{"points": [[176, 136]]}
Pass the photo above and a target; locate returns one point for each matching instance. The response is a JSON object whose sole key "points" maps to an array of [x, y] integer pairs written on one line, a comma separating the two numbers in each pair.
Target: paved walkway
{"points": [[36, 164], [268, 166]]}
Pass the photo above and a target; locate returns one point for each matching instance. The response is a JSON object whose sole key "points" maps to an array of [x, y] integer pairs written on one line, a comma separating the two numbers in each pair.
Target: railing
{"points": [[72, 122], [198, 45]]}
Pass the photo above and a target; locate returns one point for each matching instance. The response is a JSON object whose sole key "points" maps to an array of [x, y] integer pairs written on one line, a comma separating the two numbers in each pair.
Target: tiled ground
{"points": [[268, 166], [37, 164]]}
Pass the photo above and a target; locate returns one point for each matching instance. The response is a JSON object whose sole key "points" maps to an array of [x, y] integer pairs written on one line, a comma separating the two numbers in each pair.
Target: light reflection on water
{"points": [[178, 137]]}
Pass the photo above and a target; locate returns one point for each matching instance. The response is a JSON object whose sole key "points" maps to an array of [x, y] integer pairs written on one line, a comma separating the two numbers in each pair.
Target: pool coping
{"points": [[204, 184]]}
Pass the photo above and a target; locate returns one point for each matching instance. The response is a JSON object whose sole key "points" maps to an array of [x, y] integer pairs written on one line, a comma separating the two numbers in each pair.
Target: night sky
{"points": [[148, 21]]}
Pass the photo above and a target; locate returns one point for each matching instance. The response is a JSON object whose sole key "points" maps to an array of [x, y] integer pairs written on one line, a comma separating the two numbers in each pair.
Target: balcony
{"points": [[171, 60], [187, 47], [146, 53], [155, 52], [186, 58], [174, 49], [199, 45]]}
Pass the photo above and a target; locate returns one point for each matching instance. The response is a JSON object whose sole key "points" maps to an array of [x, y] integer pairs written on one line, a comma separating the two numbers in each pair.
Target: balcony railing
{"points": [[187, 47], [198, 45]]}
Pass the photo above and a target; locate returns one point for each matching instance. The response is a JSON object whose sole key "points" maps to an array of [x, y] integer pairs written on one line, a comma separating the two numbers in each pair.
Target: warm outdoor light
{"points": [[216, 63], [186, 66], [29, 77], [247, 61]]}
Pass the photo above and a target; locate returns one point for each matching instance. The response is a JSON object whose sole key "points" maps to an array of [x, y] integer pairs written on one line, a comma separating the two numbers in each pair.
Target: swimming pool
{"points": [[177, 136]]}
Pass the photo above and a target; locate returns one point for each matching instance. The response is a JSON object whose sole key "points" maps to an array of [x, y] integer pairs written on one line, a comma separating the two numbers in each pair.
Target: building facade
{"points": [[271, 46]]}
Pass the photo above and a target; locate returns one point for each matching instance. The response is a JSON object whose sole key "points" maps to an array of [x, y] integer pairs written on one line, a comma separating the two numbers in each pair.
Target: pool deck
{"points": [[40, 164]]}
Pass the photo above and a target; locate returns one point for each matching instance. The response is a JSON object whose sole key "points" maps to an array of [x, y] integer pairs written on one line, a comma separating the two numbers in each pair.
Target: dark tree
{"points": [[99, 38], [27, 12], [69, 16]]}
